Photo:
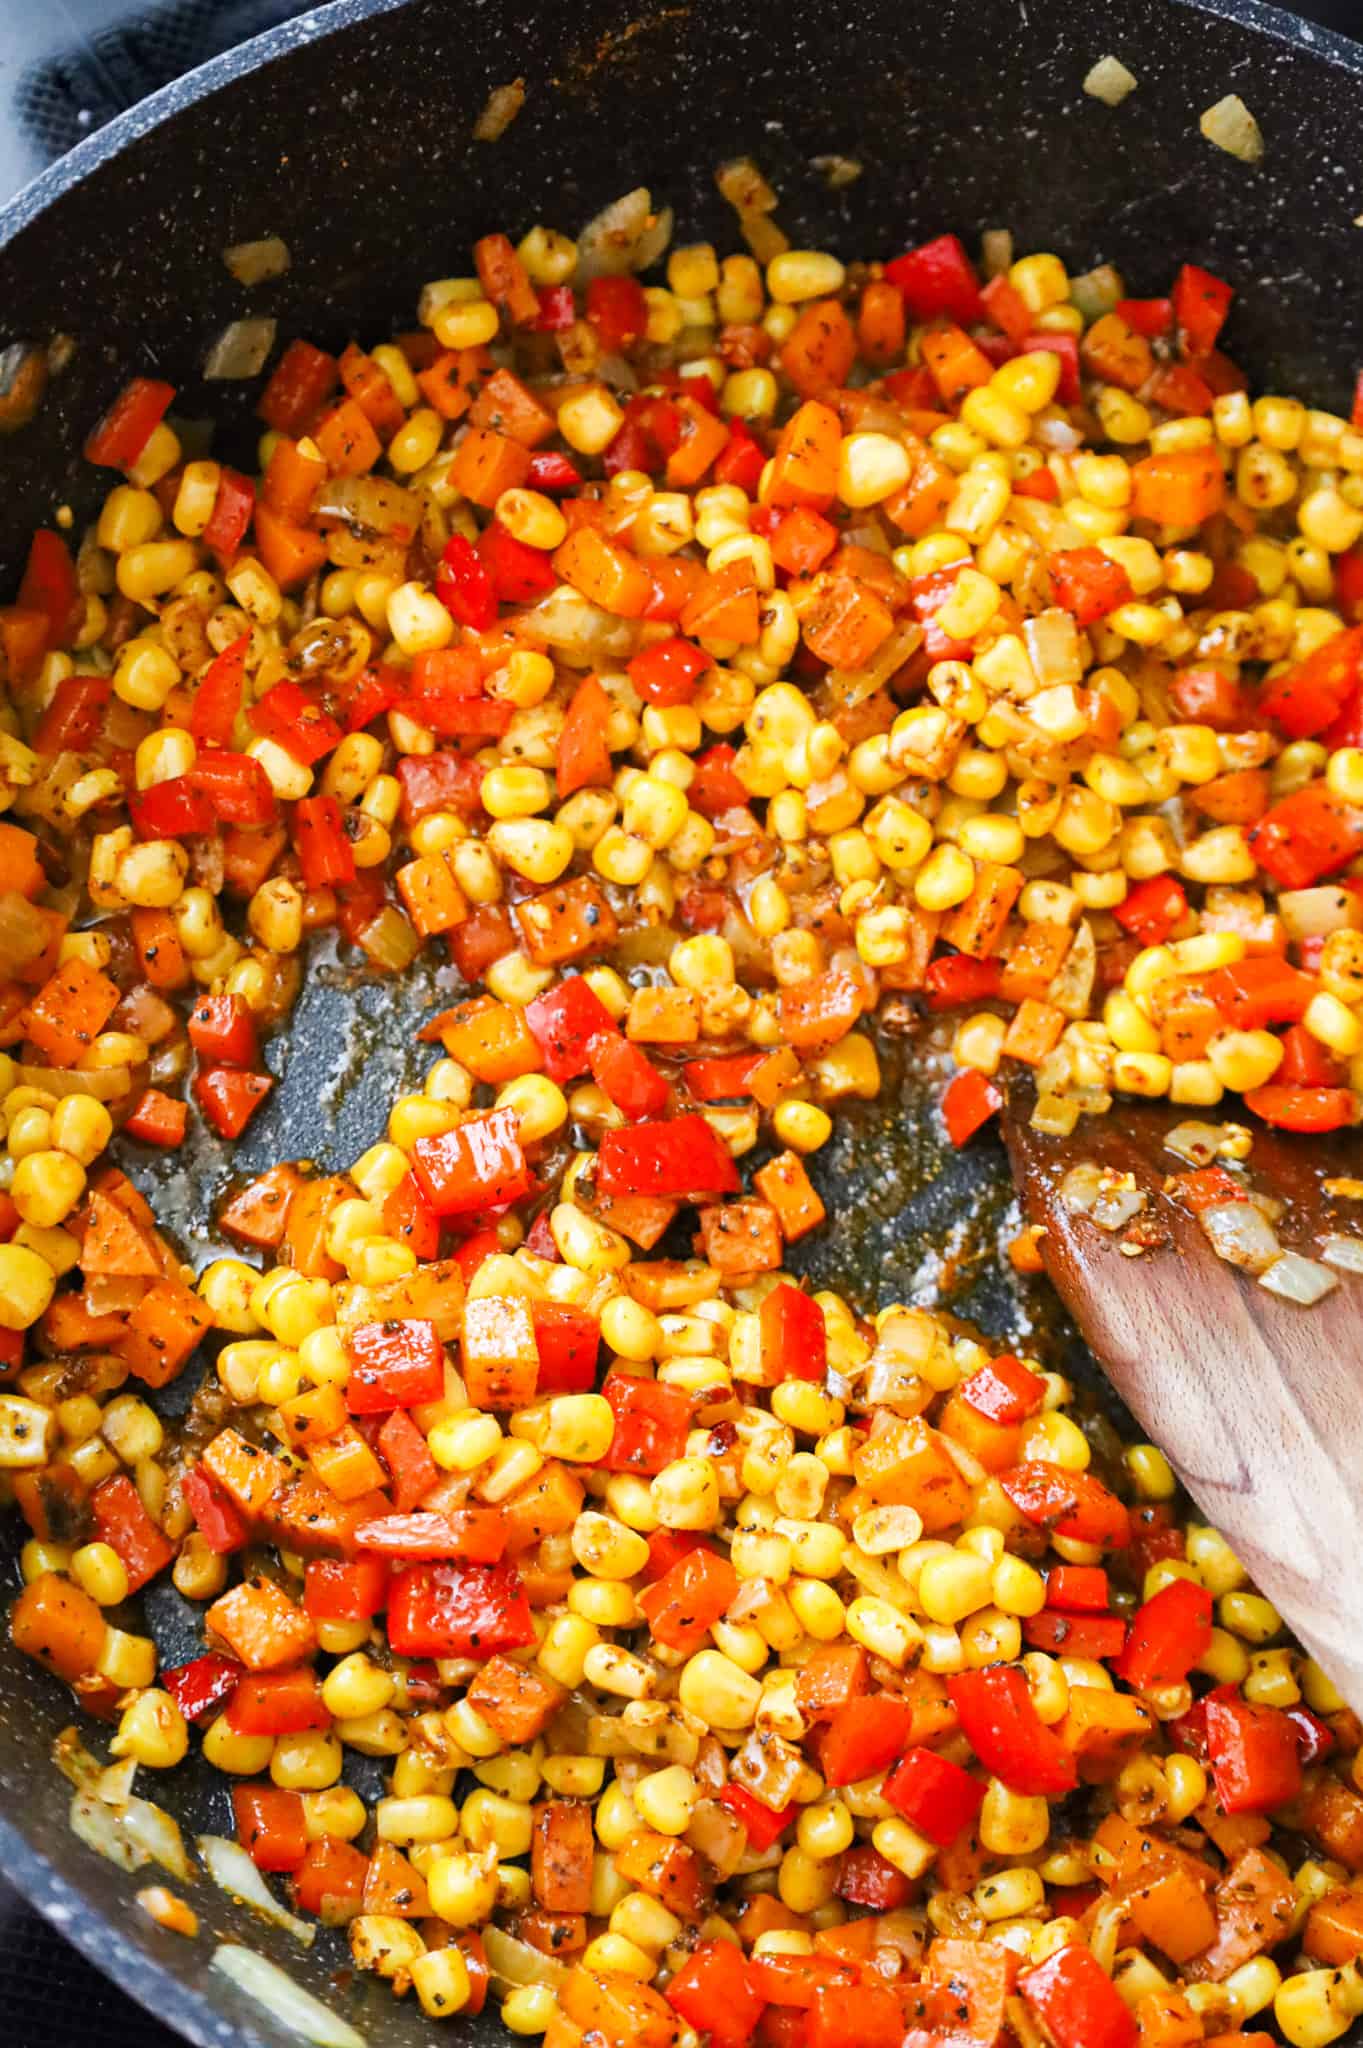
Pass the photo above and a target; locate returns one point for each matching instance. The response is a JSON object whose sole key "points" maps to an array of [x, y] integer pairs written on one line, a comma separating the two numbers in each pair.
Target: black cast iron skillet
{"points": [[348, 133]]}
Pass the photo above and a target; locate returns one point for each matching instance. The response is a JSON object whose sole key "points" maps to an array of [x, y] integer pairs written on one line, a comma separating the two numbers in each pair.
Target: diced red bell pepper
{"points": [[1096, 1637], [868, 2014], [682, 1606], [682, 1157], [519, 573], [217, 700], [667, 1547], [938, 277], [219, 1521], [563, 1022], [409, 1217], [287, 715], [551, 472], [463, 583], [395, 1364], [1200, 303], [651, 1421], [1207, 696], [1072, 1504], [955, 979], [50, 587], [627, 1076], [329, 1882], [558, 309], [1304, 1109], [480, 1164], [301, 383], [231, 515], [1077, 1588], [1004, 1390], [796, 1980], [325, 854], [934, 1795], [1315, 1740], [1076, 2001], [864, 1736], [202, 1684], [1307, 836], [452, 1610], [1260, 991], [1007, 1734], [1206, 1187], [1148, 317], [584, 758], [568, 1341], [481, 1245], [345, 1589], [73, 719], [278, 1702], [764, 1824], [865, 1878], [124, 1524], [405, 1452], [1169, 1633], [970, 1100], [229, 1098], [1306, 1063], [712, 1993], [237, 787], [793, 1336], [742, 462], [270, 1826], [223, 1031], [157, 1119], [1152, 909], [1310, 695], [129, 423], [618, 310], [1088, 584], [173, 809], [714, 787], [722, 1078], [669, 671], [1253, 1753]]}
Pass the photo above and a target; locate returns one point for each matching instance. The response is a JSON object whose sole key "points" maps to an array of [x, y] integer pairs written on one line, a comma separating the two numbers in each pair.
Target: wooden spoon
{"points": [[1257, 1402]]}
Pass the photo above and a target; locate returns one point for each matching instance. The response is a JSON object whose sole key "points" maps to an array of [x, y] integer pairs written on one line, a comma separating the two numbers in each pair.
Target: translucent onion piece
{"points": [[1297, 1279], [1315, 913], [584, 636], [513, 1963], [74, 1760], [241, 350], [1195, 1142], [1097, 291], [1241, 1235], [1344, 1252], [1110, 81], [289, 2002], [1053, 647], [24, 931], [101, 1828], [257, 262], [372, 502], [1072, 984], [152, 1830], [1232, 127], [105, 1084], [626, 235], [390, 940], [838, 172], [232, 1870], [504, 102], [1107, 1199]]}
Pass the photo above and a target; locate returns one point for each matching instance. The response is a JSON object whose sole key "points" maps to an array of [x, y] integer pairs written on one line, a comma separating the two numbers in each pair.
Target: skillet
{"points": [[349, 133]]}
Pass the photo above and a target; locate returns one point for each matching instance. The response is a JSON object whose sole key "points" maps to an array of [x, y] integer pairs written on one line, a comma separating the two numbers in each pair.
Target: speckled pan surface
{"points": [[349, 133]]}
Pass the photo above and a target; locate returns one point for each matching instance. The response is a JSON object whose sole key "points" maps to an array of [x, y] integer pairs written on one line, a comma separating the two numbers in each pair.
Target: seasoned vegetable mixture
{"points": [[690, 663]]}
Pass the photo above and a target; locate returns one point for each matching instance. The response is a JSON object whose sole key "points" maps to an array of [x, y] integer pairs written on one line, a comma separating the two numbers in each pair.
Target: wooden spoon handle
{"points": [[1258, 1403]]}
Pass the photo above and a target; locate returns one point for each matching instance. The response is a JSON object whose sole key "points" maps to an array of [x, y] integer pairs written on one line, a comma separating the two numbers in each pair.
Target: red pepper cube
{"points": [[124, 1524], [793, 1337], [1071, 1504], [868, 2014], [222, 1031], [1169, 1633], [405, 1452], [288, 716], [1076, 2001], [396, 1364], [501, 1360], [478, 1165], [129, 423], [712, 1993], [202, 1685], [216, 1515], [1255, 1760], [1077, 1589], [764, 1824], [326, 855], [568, 1341], [627, 1076], [278, 1703], [270, 1826], [1007, 1734], [682, 1606], [453, 1610], [1004, 1390], [229, 1098], [934, 1795], [563, 1022], [651, 1421], [237, 788], [864, 1736], [681, 1157], [345, 1589]]}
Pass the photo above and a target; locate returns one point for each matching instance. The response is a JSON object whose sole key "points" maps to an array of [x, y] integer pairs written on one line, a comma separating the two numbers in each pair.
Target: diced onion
{"points": [[105, 1084], [996, 251], [504, 102], [1072, 984], [1097, 291], [257, 262], [390, 940], [372, 502], [1344, 1252], [101, 1829], [1195, 1142], [1232, 127], [275, 1989], [131, 1833], [838, 172], [1107, 1199], [1058, 434], [1053, 647], [626, 235], [1315, 913], [24, 932], [513, 1962], [152, 1829], [583, 635], [232, 1870], [241, 350], [1241, 1235], [1110, 81], [1297, 1279]]}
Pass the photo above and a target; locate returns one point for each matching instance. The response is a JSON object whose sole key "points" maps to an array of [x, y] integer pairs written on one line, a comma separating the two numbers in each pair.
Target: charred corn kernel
{"points": [[428, 1817], [515, 791], [151, 568], [463, 1886], [380, 1734], [1322, 1694], [440, 1976], [951, 1587], [1314, 2007], [945, 879], [1333, 1023], [531, 518], [882, 1630]]}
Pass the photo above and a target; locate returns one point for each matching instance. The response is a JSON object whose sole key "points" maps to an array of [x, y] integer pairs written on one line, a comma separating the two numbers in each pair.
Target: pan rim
{"points": [[128, 1962]]}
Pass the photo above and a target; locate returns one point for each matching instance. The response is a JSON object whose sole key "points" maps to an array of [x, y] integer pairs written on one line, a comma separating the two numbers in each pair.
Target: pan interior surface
{"points": [[349, 134]]}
